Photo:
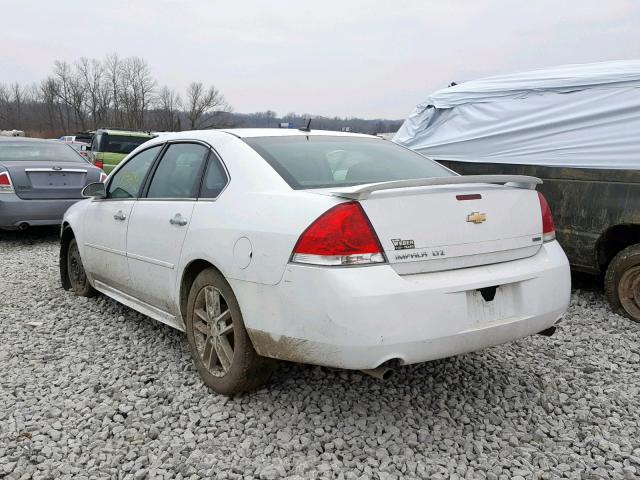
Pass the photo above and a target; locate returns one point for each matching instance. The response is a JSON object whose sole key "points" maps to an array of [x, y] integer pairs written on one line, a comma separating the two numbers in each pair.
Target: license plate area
{"points": [[56, 179], [493, 303]]}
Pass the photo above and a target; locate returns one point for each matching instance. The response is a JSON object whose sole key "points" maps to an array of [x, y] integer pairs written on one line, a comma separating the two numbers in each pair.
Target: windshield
{"points": [[325, 161], [36, 151], [122, 143]]}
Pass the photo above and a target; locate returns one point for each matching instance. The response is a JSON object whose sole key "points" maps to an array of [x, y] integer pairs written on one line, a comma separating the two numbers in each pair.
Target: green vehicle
{"points": [[110, 146]]}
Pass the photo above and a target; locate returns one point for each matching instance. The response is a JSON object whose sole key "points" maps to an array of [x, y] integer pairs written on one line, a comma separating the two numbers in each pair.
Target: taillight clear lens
{"points": [[5, 183], [103, 177], [342, 235], [548, 228]]}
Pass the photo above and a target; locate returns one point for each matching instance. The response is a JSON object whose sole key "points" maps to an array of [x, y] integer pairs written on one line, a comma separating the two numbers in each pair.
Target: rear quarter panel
{"points": [[250, 230]]}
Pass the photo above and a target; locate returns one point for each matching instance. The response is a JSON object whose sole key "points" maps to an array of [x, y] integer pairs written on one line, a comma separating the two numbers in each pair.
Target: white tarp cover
{"points": [[574, 116]]}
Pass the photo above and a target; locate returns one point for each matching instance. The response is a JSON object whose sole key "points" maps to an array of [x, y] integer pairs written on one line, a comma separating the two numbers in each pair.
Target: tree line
{"points": [[122, 93]]}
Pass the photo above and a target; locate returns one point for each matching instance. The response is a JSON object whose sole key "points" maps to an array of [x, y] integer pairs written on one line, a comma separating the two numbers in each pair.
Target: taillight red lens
{"points": [[342, 235], [548, 228], [5, 183], [98, 163]]}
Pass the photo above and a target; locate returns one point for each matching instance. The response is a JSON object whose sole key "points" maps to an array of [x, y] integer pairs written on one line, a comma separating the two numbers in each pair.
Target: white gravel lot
{"points": [[91, 389]]}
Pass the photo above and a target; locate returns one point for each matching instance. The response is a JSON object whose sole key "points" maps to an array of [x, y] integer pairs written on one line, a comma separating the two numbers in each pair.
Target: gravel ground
{"points": [[91, 389]]}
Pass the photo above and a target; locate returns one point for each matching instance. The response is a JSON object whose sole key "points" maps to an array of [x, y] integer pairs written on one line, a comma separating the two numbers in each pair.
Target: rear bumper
{"points": [[359, 318], [14, 210]]}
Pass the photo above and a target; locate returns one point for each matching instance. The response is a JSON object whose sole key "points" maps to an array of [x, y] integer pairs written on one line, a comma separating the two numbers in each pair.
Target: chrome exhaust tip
{"points": [[381, 373], [23, 226]]}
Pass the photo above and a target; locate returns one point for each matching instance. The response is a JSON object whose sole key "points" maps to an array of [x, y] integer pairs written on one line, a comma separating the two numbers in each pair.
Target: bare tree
{"points": [[113, 73], [136, 91], [98, 92], [169, 108], [205, 106], [16, 103], [5, 102], [50, 99], [72, 92]]}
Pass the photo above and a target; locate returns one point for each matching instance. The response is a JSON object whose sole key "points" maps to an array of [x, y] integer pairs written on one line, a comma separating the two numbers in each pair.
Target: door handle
{"points": [[178, 220], [119, 216]]}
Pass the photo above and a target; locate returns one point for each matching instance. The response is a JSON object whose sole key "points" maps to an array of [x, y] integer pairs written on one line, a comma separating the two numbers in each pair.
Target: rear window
{"points": [[34, 152], [77, 146], [121, 143], [325, 161]]}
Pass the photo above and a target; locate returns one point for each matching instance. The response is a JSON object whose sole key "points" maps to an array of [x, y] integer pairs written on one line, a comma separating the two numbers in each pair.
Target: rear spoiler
{"points": [[360, 192]]}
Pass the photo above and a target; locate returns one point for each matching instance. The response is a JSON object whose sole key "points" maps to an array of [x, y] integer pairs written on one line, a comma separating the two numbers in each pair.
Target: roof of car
{"points": [[210, 135], [285, 132], [28, 140], [127, 133]]}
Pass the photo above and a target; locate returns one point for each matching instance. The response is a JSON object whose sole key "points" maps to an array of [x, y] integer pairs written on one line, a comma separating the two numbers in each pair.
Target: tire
{"points": [[622, 283], [221, 350], [76, 276]]}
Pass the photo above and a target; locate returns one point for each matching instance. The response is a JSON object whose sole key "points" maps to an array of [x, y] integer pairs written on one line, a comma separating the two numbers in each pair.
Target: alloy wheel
{"points": [[213, 331]]}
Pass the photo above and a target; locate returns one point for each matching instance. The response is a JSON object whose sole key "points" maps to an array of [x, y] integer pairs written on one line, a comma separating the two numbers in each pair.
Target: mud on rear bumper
{"points": [[359, 318]]}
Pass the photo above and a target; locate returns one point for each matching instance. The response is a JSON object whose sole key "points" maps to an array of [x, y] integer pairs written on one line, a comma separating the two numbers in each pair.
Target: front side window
{"points": [[179, 171], [317, 161], [128, 180]]}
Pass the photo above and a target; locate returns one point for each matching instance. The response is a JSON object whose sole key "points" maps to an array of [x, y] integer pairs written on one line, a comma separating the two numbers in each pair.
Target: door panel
{"points": [[154, 244], [107, 221], [160, 221], [105, 242]]}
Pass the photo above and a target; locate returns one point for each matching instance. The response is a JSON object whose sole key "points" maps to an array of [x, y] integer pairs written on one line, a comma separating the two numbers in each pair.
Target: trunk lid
{"points": [[50, 180], [447, 227]]}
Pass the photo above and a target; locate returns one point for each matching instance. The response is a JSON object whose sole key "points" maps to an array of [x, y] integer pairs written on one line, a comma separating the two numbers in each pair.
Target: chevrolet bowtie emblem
{"points": [[476, 217]]}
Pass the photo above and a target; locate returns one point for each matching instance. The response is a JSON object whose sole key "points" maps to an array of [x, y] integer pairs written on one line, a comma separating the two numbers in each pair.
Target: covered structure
{"points": [[584, 116]]}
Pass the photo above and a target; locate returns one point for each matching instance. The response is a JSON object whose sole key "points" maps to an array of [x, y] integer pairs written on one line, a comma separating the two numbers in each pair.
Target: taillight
{"points": [[103, 177], [548, 228], [98, 163], [5, 183], [342, 235]]}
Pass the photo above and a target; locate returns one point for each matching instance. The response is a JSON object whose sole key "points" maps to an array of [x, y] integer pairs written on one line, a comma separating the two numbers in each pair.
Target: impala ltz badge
{"points": [[476, 217], [400, 244]]}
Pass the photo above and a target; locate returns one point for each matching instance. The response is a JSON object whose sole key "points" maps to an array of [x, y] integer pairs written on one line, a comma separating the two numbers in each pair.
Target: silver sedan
{"points": [[39, 180]]}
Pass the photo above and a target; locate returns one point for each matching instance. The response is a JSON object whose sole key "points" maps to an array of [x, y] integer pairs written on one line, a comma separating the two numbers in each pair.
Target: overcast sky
{"points": [[335, 57]]}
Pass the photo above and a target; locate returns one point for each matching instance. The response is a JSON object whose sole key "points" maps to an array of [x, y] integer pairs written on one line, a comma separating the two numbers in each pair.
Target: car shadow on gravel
{"points": [[31, 236]]}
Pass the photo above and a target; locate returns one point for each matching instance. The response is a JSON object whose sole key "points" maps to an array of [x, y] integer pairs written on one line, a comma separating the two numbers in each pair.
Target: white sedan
{"points": [[334, 249]]}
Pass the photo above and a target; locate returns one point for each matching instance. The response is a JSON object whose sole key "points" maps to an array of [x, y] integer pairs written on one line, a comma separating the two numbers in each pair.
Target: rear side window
{"points": [[121, 143], [95, 143], [179, 172], [215, 179], [325, 161], [127, 181]]}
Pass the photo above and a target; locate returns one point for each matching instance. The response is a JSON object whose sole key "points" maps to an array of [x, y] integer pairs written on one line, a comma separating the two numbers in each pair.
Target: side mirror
{"points": [[94, 190], [85, 148]]}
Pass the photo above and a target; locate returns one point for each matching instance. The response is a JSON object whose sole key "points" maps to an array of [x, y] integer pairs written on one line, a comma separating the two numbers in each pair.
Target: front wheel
{"points": [[76, 276], [622, 283], [220, 346]]}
